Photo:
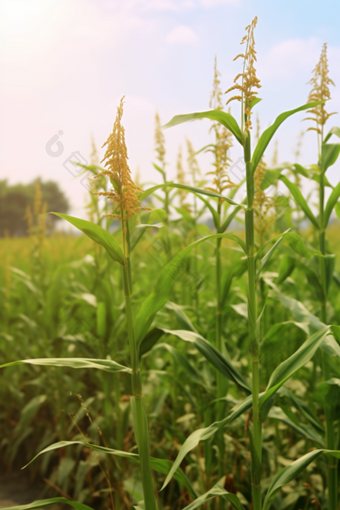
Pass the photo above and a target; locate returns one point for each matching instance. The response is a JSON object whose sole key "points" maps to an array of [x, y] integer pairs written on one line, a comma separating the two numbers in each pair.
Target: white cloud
{"points": [[213, 3], [182, 34], [291, 57], [160, 5]]}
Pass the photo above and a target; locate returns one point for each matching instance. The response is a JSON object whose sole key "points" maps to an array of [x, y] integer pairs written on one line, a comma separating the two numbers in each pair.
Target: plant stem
{"points": [[332, 469], [256, 451], [137, 401], [219, 376]]}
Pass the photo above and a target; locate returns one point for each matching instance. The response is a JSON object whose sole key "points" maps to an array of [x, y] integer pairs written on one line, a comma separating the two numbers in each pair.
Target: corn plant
{"points": [[232, 328]]}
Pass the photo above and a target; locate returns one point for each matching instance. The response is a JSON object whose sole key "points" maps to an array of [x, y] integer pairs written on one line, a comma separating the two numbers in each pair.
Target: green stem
{"points": [[256, 451], [332, 469], [137, 401], [219, 377], [167, 210]]}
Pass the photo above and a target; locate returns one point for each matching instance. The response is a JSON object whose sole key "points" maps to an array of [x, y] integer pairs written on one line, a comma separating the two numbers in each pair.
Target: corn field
{"points": [[183, 351]]}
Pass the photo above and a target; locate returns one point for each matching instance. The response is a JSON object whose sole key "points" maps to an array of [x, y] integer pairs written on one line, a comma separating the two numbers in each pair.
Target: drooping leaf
{"points": [[139, 231], [100, 364], [289, 473], [287, 265], [192, 189], [181, 360], [159, 169], [215, 491], [331, 202], [299, 199], [42, 503], [97, 234], [229, 219], [304, 409], [223, 118], [182, 318], [288, 367], [212, 355], [329, 154], [268, 134], [150, 339], [206, 433], [159, 465], [334, 131], [168, 275], [276, 413]]}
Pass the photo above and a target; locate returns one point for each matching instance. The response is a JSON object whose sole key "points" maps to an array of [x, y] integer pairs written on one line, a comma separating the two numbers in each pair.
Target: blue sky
{"points": [[65, 64]]}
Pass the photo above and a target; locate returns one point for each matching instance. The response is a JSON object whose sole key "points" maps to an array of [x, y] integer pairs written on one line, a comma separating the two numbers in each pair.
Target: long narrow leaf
{"points": [[213, 355], [223, 118], [42, 503], [97, 234], [289, 473], [268, 134], [300, 200], [206, 433], [100, 364], [159, 465], [161, 292], [286, 369], [217, 490]]}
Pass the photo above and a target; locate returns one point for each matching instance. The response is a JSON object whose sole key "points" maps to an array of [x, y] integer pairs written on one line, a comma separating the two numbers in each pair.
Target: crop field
{"points": [[179, 349]]}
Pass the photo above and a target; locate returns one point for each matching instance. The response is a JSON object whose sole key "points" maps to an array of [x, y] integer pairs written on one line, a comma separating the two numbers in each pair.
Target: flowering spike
{"points": [[320, 91], [249, 78], [125, 195]]}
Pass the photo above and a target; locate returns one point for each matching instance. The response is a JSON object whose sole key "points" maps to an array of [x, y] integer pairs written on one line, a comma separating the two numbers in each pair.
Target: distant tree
{"points": [[14, 201]]}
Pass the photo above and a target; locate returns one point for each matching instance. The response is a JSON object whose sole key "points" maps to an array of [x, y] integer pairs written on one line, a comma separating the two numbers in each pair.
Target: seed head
{"points": [[37, 198], [223, 142], [159, 141], [124, 191], [320, 92], [181, 176], [192, 162], [249, 78], [216, 95], [262, 203]]}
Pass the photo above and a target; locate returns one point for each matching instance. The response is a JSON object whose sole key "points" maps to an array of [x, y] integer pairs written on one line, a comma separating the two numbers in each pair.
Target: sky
{"points": [[65, 64]]}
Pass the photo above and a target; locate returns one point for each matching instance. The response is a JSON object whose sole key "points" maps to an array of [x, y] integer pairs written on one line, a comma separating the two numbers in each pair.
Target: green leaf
{"points": [[331, 202], [334, 131], [293, 240], [289, 473], [42, 503], [287, 265], [101, 364], [159, 465], [182, 318], [213, 355], [97, 234], [254, 102], [229, 219], [329, 155], [288, 367], [161, 292], [159, 169], [217, 490], [223, 118], [268, 134], [276, 413], [190, 371], [192, 189], [150, 339], [213, 211], [139, 231], [299, 199], [206, 433]]}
